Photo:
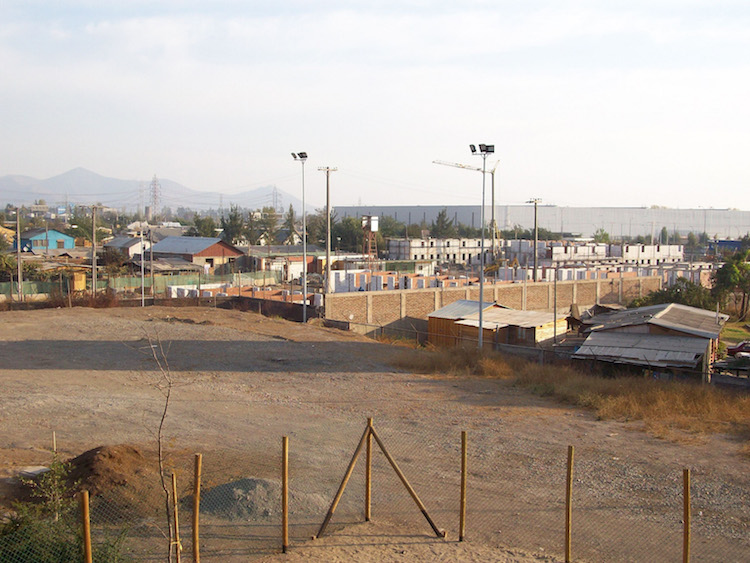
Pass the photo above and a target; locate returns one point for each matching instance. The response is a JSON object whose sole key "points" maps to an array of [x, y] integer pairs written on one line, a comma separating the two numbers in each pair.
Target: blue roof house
{"points": [[40, 240]]}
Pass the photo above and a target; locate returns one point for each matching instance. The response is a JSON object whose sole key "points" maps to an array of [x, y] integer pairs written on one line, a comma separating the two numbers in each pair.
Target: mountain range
{"points": [[83, 187]]}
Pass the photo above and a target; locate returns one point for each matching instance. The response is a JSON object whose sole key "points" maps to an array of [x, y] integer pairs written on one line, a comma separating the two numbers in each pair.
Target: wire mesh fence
{"points": [[622, 509]]}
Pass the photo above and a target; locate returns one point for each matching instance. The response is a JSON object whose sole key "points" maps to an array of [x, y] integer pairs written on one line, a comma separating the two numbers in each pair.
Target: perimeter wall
{"points": [[408, 308]]}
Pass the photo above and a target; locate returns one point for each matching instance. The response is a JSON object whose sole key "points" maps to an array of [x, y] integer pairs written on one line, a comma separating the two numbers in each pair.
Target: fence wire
{"points": [[622, 509]]}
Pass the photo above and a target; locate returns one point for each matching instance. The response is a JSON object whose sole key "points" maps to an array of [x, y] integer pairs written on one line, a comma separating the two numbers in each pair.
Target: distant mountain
{"points": [[81, 186]]}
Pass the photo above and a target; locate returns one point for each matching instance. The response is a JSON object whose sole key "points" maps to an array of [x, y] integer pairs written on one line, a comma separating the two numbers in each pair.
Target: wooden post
{"points": [[285, 494], [177, 546], [197, 508], [83, 499], [54, 442], [439, 533], [686, 516], [368, 474], [569, 505], [462, 514], [344, 481]]}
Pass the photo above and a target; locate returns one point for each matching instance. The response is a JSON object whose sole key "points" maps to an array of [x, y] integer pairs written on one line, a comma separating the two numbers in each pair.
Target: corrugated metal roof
{"points": [[510, 317], [459, 309], [185, 245], [643, 349], [674, 316], [123, 242]]}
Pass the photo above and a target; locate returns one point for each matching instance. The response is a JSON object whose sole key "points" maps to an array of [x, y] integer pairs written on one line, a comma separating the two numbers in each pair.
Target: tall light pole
{"points": [[328, 170], [18, 254], [484, 150], [535, 201], [302, 157]]}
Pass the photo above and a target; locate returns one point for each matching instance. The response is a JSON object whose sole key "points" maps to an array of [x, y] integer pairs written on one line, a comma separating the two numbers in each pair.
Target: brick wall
{"points": [[388, 308]]}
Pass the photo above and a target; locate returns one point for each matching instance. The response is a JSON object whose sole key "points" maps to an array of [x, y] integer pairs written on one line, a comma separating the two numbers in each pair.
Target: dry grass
{"points": [[672, 410]]}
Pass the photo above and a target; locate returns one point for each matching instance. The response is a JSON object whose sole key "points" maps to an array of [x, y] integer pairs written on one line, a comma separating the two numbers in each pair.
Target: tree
{"points": [[290, 225], [682, 291], [601, 236], [269, 223], [442, 227], [390, 228], [350, 232], [733, 280], [664, 237], [233, 226], [202, 227]]}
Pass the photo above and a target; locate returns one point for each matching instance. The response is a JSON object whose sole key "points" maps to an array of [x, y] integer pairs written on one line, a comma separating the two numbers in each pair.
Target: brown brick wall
{"points": [[510, 295], [386, 307], [586, 293], [537, 297], [609, 291], [341, 306], [419, 304]]}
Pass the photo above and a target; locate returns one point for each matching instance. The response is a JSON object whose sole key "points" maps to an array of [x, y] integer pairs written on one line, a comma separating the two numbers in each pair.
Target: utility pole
{"points": [[151, 261], [328, 170], [93, 250], [18, 254], [536, 202]]}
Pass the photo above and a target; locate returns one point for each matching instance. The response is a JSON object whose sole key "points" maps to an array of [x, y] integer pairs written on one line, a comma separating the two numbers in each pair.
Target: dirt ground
{"points": [[241, 381]]}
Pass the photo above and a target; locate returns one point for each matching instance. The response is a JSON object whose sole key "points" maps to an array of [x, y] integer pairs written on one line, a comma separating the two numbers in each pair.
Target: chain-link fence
{"points": [[623, 509]]}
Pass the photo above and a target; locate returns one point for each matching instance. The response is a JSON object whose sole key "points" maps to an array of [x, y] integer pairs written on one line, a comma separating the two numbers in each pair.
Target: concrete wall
{"points": [[409, 308]]}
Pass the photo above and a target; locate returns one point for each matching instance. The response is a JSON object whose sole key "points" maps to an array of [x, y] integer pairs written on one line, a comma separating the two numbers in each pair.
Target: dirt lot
{"points": [[241, 381]]}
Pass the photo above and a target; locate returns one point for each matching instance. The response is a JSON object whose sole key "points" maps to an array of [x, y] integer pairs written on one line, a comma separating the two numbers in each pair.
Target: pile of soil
{"points": [[253, 499], [108, 468], [121, 481]]}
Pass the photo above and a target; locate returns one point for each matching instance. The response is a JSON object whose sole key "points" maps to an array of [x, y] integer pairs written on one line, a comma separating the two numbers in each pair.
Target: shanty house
{"points": [[668, 335], [459, 323], [441, 324], [40, 240], [513, 327], [129, 246], [205, 251]]}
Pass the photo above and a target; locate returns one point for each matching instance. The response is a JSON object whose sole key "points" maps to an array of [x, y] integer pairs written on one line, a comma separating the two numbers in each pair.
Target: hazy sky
{"points": [[588, 102]]}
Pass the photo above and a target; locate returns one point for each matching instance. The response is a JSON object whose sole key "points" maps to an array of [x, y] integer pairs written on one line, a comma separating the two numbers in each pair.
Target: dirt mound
{"points": [[108, 468], [256, 499]]}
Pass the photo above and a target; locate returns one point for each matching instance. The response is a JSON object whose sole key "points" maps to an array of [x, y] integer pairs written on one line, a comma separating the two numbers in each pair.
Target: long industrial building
{"points": [[584, 221]]}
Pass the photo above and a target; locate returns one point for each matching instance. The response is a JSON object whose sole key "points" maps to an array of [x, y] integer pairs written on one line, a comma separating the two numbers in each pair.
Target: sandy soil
{"points": [[241, 381]]}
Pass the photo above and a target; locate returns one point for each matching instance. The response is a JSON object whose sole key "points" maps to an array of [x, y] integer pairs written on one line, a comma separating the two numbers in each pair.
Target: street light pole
{"points": [[328, 170], [535, 201], [484, 150], [18, 254], [302, 157]]}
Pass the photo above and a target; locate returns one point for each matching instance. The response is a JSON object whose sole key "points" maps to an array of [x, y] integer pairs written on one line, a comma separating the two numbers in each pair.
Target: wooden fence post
{"points": [[197, 508], [83, 498], [368, 474], [285, 494], [569, 505], [686, 515], [462, 516], [177, 546]]}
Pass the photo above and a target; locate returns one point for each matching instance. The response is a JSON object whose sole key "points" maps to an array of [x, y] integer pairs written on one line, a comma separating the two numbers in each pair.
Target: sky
{"points": [[632, 103]]}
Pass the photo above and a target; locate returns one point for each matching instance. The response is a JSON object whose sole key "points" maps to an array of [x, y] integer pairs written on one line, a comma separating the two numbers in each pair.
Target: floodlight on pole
{"points": [[484, 150], [302, 157]]}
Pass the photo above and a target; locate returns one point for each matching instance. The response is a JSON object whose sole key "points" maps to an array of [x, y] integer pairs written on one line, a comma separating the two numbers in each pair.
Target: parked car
{"points": [[743, 346]]}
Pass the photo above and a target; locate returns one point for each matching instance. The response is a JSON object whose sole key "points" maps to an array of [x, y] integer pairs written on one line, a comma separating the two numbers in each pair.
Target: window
{"points": [[463, 243], [447, 243], [432, 243], [60, 244], [37, 242]]}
